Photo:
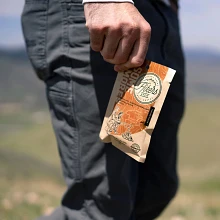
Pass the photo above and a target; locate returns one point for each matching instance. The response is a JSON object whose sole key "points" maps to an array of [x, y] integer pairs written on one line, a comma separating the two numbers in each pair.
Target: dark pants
{"points": [[103, 183]]}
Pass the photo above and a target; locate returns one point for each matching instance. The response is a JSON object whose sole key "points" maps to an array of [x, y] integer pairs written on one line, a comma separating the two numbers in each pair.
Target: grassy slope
{"points": [[30, 176], [199, 195], [30, 182]]}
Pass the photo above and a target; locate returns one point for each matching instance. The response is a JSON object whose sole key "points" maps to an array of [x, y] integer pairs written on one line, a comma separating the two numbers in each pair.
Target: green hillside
{"points": [[31, 182], [19, 84], [30, 176]]}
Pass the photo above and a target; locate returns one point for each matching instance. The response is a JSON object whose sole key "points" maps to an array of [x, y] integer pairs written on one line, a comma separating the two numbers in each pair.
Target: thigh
{"points": [[158, 179], [101, 179]]}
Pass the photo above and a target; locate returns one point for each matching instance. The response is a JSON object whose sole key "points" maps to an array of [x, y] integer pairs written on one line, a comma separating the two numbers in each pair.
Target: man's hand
{"points": [[119, 32]]}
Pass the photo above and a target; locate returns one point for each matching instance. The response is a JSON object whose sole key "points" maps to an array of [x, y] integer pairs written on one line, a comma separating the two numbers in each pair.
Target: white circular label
{"points": [[147, 88]]}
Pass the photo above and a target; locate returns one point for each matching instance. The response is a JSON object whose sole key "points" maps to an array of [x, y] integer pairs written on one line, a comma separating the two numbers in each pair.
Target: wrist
{"points": [[106, 1]]}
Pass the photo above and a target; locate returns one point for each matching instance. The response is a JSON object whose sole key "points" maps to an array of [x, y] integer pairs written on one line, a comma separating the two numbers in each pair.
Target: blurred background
{"points": [[30, 176]]}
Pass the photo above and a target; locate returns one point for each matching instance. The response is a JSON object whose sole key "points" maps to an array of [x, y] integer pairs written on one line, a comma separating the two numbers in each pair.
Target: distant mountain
{"points": [[17, 54], [203, 73], [19, 84], [198, 54]]}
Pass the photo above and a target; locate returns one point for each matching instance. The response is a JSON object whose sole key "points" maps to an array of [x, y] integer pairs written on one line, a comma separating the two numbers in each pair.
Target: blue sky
{"points": [[199, 23]]}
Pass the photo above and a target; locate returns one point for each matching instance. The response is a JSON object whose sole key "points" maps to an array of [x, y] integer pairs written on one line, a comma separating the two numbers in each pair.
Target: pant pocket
{"points": [[78, 34], [34, 26], [60, 98]]}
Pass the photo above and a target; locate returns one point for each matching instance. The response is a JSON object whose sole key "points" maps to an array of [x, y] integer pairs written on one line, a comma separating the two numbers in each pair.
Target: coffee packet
{"points": [[134, 106]]}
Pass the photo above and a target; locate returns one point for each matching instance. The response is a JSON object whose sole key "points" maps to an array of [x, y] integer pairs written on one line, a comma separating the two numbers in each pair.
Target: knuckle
{"points": [[121, 60], [105, 59], [133, 27], [96, 29], [108, 60], [147, 28], [130, 33], [112, 61], [115, 30], [96, 47], [137, 62], [109, 55]]}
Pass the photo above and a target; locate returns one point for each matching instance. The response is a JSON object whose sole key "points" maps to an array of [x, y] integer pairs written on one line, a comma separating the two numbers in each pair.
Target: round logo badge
{"points": [[147, 88], [135, 147]]}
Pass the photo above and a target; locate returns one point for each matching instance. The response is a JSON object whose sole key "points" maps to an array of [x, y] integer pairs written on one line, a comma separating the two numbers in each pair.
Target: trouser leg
{"points": [[102, 181], [158, 179]]}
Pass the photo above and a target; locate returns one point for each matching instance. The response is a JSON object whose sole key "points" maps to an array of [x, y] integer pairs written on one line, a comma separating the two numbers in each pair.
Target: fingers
{"points": [[122, 37], [138, 53], [110, 45], [96, 39], [123, 51], [136, 58]]}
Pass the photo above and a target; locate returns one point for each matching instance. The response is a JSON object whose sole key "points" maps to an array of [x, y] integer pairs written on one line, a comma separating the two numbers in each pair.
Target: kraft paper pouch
{"points": [[134, 107]]}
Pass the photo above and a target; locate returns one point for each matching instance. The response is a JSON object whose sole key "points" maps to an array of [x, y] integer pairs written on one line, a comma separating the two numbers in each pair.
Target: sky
{"points": [[199, 23]]}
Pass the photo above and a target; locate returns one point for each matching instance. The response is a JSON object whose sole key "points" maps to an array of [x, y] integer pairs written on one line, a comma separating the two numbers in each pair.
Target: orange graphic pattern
{"points": [[133, 114]]}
